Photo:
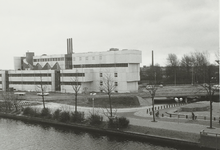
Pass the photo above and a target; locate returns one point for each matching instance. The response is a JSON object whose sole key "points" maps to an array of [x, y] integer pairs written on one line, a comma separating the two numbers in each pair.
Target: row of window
{"points": [[73, 74], [100, 65], [116, 75], [70, 83], [30, 75], [115, 84], [86, 58], [49, 59], [30, 82]]}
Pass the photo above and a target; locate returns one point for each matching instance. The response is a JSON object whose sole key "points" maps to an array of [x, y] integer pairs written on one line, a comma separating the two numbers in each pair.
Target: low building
{"points": [[62, 72]]}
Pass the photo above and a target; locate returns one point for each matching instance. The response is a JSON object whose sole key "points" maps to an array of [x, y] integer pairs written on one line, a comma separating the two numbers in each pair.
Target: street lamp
{"points": [[93, 99]]}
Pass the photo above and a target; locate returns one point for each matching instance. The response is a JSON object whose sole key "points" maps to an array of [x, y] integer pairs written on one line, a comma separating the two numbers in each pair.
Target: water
{"points": [[26, 136]]}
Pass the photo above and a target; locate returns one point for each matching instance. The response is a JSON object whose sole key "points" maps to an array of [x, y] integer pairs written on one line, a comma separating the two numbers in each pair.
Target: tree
{"points": [[154, 73], [172, 65], [210, 89], [10, 99], [76, 85], [108, 86], [42, 89], [152, 90], [200, 63], [186, 68]]}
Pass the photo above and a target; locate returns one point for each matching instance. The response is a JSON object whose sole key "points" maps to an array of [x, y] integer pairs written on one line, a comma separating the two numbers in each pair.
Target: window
{"points": [[73, 58], [116, 74], [86, 58], [100, 57], [100, 74], [116, 83], [93, 57], [80, 58], [101, 83]]}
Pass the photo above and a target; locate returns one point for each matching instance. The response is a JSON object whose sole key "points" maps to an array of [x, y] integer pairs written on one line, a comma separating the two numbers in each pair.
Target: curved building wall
{"points": [[17, 63]]}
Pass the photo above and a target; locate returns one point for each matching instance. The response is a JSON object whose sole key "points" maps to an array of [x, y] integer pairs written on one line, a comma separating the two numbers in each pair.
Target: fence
{"points": [[174, 115], [209, 139]]}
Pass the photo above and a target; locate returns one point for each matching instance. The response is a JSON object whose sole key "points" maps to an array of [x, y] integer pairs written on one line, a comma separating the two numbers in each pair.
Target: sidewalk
{"points": [[175, 126], [135, 118]]}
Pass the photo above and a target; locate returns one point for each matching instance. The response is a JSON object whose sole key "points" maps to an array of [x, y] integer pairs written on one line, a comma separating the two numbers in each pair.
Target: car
{"points": [[216, 87], [40, 94]]}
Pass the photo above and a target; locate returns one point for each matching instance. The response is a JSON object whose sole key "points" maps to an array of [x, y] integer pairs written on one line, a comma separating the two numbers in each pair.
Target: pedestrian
{"points": [[193, 116], [157, 114]]}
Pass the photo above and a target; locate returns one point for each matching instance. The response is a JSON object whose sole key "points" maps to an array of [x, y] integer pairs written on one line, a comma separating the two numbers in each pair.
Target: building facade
{"points": [[62, 72]]}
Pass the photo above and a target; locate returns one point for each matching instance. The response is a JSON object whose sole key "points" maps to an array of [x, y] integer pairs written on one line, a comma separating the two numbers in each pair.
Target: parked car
{"points": [[40, 94], [216, 87]]}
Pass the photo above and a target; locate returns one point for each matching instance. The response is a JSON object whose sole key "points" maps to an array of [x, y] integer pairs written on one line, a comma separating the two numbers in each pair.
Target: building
{"points": [[61, 72]]}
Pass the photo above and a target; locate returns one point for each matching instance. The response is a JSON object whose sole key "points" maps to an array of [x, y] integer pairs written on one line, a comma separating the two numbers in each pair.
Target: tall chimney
{"points": [[152, 58], [69, 46]]}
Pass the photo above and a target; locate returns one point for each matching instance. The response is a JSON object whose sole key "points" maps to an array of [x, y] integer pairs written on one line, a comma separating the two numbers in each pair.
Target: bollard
{"points": [[147, 111], [214, 119], [204, 117], [162, 115], [170, 115], [186, 116]]}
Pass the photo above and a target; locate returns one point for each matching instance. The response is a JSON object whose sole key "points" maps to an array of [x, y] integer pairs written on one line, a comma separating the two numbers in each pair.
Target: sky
{"points": [[164, 26]]}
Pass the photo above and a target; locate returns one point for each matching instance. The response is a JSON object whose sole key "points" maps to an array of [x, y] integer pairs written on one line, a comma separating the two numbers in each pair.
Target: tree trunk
{"points": [[210, 99], [110, 103], [75, 102], [153, 109]]}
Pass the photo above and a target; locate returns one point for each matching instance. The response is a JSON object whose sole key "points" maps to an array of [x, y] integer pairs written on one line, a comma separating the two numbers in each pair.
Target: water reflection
{"points": [[28, 136]]}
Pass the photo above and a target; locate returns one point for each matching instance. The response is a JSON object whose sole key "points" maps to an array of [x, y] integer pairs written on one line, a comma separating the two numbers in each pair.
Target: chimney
{"points": [[69, 46], [152, 58]]}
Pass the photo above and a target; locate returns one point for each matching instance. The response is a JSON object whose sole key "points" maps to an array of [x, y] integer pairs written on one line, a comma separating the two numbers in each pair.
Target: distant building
{"points": [[58, 72]]}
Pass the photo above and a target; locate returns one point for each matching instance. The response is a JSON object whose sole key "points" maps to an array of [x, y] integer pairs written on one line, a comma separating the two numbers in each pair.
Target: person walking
{"points": [[193, 116]]}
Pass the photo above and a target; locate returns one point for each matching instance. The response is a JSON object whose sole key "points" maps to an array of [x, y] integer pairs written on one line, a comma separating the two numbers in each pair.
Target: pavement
{"points": [[139, 117]]}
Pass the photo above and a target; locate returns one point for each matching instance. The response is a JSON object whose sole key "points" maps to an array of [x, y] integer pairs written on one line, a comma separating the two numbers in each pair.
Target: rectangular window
{"points": [[100, 57], [73, 58], [116, 83], [93, 57], [100, 74], [86, 58], [116, 74], [101, 83], [80, 58]]}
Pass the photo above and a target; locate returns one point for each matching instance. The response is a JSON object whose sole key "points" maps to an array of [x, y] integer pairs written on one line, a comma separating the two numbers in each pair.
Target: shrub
{"points": [[28, 111], [95, 119], [123, 122], [45, 113], [113, 122], [77, 117], [56, 114], [118, 123], [64, 116]]}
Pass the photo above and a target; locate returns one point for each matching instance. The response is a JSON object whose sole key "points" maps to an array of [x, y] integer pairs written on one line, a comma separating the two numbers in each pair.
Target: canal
{"points": [[28, 136]]}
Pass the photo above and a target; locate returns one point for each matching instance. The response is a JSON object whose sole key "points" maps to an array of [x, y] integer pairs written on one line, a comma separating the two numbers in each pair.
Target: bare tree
{"points": [[210, 90], [42, 89], [172, 66], [152, 90], [10, 99], [108, 86], [76, 85]]}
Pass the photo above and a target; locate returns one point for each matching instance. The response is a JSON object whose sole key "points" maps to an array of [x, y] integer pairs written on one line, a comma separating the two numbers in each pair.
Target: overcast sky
{"points": [[165, 26]]}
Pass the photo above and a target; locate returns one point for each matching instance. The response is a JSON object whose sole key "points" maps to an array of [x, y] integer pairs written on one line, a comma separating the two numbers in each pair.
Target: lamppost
{"points": [[93, 99]]}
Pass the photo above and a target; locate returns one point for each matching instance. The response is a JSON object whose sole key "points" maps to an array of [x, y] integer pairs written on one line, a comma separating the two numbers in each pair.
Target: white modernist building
{"points": [[62, 72]]}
